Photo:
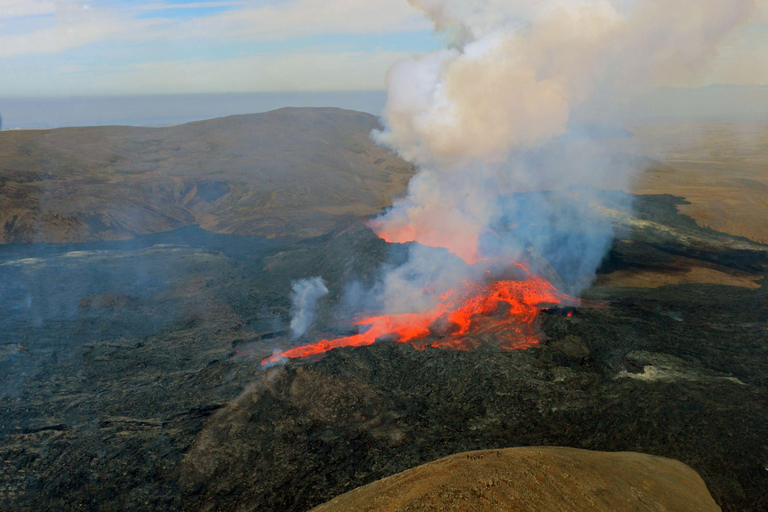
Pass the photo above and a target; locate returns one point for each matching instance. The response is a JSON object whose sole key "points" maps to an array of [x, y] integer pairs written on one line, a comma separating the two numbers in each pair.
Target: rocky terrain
{"points": [[131, 377]]}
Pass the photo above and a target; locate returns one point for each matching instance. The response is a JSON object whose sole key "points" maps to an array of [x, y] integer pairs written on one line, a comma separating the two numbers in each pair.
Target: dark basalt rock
{"points": [[571, 348], [131, 379]]}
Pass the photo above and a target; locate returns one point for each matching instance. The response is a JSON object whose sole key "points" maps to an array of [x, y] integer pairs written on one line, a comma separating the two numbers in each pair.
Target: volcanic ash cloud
{"points": [[488, 118]]}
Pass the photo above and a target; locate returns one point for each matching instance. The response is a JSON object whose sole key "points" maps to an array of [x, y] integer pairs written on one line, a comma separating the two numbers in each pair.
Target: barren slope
{"points": [[720, 168], [287, 173]]}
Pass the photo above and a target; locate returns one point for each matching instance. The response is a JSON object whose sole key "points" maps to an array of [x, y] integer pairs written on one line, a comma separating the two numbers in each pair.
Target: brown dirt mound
{"points": [[535, 479]]}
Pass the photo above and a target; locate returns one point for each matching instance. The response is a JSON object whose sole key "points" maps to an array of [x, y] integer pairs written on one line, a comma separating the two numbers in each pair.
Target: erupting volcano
{"points": [[507, 307], [487, 123]]}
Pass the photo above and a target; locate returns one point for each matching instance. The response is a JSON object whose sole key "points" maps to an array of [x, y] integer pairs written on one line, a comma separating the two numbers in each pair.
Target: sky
{"points": [[66, 47], [52, 48]]}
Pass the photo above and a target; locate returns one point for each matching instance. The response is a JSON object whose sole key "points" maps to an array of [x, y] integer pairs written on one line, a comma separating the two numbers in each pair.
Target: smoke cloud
{"points": [[488, 121], [304, 295], [516, 69]]}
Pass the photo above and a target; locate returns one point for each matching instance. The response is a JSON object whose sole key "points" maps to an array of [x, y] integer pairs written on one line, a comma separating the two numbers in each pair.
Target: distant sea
{"points": [[715, 102], [165, 110]]}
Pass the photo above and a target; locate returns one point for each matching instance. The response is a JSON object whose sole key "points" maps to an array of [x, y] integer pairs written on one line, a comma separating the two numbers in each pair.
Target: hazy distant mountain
{"points": [[286, 173]]}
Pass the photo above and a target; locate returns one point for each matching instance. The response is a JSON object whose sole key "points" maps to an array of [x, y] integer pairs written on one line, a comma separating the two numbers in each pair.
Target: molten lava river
{"points": [[501, 311]]}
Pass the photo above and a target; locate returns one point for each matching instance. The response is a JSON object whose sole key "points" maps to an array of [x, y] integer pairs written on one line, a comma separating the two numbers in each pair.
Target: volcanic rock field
{"points": [[146, 274]]}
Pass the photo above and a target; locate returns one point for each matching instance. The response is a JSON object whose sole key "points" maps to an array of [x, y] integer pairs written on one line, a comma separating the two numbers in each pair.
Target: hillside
{"points": [[288, 173]]}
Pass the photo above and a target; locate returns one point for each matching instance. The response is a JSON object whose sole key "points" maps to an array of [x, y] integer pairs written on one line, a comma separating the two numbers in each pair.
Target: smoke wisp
{"points": [[304, 294]]}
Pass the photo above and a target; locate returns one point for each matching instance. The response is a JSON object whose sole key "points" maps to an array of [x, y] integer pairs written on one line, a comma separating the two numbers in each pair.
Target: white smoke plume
{"points": [[487, 123], [516, 68], [304, 294]]}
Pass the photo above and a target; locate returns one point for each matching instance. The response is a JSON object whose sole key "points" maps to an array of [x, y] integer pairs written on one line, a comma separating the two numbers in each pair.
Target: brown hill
{"points": [[535, 479], [301, 172]]}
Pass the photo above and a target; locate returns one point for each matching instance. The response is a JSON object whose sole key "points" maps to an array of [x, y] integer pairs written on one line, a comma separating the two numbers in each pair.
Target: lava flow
{"points": [[478, 307]]}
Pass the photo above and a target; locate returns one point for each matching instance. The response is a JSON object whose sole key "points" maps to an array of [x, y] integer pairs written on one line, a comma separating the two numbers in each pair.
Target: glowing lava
{"points": [[460, 237], [478, 307]]}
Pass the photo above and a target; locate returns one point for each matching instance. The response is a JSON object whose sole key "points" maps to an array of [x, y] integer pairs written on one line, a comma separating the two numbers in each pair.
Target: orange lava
{"points": [[463, 246], [477, 308]]}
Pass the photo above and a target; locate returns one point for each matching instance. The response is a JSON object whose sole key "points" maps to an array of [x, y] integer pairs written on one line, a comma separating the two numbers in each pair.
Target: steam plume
{"points": [[305, 294], [487, 123], [515, 69]]}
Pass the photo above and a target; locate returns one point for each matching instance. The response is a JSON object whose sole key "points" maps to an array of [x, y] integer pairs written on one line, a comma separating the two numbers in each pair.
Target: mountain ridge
{"points": [[297, 171]]}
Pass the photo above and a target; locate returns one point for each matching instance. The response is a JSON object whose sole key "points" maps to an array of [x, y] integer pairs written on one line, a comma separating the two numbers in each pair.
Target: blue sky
{"points": [[79, 47], [76, 47]]}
